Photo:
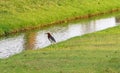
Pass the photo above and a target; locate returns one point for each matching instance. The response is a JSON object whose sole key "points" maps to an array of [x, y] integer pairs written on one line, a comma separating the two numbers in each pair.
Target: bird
{"points": [[51, 38]]}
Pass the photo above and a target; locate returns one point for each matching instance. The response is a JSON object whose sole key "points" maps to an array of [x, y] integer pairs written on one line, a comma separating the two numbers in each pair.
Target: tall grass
{"points": [[17, 14]]}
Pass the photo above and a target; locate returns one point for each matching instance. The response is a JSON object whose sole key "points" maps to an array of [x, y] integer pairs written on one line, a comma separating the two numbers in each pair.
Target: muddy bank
{"points": [[61, 22]]}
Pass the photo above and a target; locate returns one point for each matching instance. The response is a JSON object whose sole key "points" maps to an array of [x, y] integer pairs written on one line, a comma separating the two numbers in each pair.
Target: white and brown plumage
{"points": [[51, 38]]}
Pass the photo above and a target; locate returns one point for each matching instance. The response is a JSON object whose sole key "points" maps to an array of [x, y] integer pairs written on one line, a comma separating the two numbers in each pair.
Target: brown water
{"points": [[36, 40]]}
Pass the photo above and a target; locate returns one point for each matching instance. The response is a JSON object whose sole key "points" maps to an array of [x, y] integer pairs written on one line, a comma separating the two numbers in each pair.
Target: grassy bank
{"points": [[92, 53], [18, 14]]}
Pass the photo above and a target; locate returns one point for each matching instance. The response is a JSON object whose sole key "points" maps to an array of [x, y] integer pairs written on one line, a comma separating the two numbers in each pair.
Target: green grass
{"points": [[92, 53], [18, 14]]}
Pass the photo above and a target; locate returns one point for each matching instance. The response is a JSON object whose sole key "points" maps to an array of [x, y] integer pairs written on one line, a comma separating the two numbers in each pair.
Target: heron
{"points": [[51, 38]]}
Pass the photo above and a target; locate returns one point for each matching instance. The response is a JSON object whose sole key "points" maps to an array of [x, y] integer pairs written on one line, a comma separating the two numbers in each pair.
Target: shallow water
{"points": [[36, 40]]}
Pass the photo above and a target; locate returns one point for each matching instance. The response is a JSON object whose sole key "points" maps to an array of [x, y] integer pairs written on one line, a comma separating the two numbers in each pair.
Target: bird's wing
{"points": [[52, 39]]}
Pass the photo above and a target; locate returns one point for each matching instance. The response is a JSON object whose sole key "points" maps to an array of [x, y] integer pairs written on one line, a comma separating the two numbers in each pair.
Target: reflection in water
{"points": [[35, 40], [30, 40], [118, 20]]}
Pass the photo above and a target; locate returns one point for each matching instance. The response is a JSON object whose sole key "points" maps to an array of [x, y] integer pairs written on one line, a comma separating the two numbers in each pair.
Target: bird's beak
{"points": [[46, 33]]}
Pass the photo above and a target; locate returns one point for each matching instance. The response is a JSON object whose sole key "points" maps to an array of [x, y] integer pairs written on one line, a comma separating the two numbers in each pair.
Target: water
{"points": [[36, 40]]}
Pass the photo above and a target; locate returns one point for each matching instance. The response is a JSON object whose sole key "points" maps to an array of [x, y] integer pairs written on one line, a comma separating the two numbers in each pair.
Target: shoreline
{"points": [[61, 21]]}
